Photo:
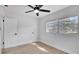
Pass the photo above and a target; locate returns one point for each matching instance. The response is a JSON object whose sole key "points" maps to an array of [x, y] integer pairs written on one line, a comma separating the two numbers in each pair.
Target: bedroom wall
{"points": [[17, 22], [24, 26], [68, 43]]}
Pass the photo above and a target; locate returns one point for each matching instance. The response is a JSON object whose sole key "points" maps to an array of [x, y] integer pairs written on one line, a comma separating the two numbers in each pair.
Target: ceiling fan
{"points": [[37, 9]]}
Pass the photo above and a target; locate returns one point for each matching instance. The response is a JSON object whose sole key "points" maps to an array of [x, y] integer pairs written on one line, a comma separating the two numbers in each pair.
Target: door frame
{"points": [[2, 34]]}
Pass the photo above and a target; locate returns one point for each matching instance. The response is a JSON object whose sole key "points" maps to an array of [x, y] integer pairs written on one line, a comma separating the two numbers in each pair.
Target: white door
{"points": [[10, 30]]}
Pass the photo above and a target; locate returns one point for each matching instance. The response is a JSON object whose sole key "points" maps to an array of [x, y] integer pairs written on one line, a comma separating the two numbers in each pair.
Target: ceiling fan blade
{"points": [[29, 11], [40, 6], [44, 10], [6, 5], [37, 14], [31, 6]]}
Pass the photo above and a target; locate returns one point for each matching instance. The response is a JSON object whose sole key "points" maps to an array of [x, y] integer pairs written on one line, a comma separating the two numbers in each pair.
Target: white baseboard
{"points": [[53, 46], [21, 43]]}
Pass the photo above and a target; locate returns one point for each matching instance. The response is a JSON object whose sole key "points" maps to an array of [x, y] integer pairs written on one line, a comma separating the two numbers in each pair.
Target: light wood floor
{"points": [[33, 48]]}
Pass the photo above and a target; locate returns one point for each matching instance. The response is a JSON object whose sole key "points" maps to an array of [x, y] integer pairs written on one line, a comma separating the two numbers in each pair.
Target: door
{"points": [[10, 32]]}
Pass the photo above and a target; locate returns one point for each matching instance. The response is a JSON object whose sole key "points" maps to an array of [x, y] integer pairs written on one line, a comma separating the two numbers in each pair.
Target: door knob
{"points": [[15, 33]]}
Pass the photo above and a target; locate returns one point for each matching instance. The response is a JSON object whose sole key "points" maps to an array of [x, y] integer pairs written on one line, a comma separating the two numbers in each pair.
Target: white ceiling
{"points": [[19, 10]]}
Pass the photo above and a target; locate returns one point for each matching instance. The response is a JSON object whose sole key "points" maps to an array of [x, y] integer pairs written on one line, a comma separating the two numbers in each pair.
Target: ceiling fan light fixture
{"points": [[36, 11]]}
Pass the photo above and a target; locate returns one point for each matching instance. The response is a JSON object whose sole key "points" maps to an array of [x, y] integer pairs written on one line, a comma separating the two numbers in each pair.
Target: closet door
{"points": [[10, 32]]}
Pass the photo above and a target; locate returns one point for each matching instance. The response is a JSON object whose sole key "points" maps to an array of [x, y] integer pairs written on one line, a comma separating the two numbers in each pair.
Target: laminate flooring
{"points": [[33, 48]]}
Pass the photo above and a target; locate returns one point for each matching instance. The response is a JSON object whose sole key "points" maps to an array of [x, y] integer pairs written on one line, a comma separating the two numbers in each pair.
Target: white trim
{"points": [[19, 44], [55, 46]]}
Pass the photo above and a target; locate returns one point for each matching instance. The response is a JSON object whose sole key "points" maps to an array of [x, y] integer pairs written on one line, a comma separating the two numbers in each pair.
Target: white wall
{"points": [[27, 30], [25, 27], [68, 43], [20, 23]]}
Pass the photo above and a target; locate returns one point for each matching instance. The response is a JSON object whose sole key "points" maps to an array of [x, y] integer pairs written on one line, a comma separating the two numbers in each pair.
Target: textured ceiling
{"points": [[19, 10]]}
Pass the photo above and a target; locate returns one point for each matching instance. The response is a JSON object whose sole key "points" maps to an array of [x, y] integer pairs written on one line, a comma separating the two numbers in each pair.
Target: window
{"points": [[66, 25]]}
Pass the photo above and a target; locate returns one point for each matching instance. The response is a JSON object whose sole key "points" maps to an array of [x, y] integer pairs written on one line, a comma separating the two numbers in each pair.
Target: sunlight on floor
{"points": [[39, 47]]}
